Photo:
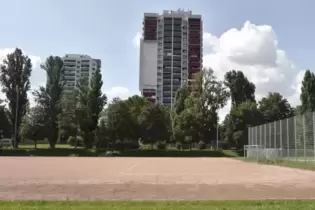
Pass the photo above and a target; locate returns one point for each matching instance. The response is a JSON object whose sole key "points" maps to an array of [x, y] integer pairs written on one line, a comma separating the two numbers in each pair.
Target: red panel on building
{"points": [[150, 28], [194, 48], [149, 94]]}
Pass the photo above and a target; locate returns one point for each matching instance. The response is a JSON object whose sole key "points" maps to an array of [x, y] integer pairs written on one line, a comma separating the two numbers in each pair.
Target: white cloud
{"points": [[136, 40], [38, 76], [118, 91], [254, 50]]}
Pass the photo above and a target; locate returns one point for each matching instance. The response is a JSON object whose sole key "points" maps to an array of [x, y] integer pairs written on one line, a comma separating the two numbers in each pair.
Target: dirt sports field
{"points": [[149, 178]]}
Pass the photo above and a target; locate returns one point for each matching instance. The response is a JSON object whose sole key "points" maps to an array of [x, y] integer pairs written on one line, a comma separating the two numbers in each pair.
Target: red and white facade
{"points": [[170, 53]]}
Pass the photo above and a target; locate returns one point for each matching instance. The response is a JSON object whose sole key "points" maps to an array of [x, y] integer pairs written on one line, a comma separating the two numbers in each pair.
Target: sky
{"points": [[272, 42]]}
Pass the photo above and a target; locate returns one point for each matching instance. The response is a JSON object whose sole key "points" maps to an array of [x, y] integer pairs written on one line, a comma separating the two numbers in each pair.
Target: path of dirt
{"points": [[149, 178]]}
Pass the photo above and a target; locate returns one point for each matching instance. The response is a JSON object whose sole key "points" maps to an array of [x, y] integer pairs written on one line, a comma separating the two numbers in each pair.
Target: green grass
{"points": [[158, 205]]}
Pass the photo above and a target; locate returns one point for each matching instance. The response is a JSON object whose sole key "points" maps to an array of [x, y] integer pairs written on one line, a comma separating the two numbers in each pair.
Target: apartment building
{"points": [[78, 66], [170, 53]]}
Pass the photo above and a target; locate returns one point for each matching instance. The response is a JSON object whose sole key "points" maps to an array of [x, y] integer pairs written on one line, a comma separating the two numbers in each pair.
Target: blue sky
{"points": [[105, 29]]}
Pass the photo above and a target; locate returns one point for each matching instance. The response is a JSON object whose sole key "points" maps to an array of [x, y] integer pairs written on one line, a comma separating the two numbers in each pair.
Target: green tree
{"points": [[308, 92], [242, 117], [91, 102], [275, 107], [15, 80], [154, 124], [34, 126], [195, 113], [67, 121], [49, 97], [240, 88], [5, 123], [97, 100], [178, 107]]}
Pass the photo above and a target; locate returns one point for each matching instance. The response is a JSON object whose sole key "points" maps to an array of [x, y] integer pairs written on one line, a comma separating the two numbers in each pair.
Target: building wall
{"points": [[148, 68], [177, 36], [78, 66]]}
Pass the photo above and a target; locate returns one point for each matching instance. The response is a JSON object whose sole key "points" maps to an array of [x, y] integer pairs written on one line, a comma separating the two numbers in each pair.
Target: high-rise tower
{"points": [[170, 53]]}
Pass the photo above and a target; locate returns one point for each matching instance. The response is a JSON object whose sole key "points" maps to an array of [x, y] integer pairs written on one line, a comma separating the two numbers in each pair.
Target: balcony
{"points": [[194, 70], [177, 70]]}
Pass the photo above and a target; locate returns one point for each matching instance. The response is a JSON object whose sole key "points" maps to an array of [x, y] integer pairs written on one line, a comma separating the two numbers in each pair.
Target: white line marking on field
{"points": [[129, 169]]}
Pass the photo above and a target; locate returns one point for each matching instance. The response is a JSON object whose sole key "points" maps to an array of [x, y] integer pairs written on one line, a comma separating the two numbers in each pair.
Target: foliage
{"points": [[153, 121], [33, 125], [5, 123], [241, 89], [15, 80], [91, 102], [49, 97], [275, 107], [75, 141], [195, 115], [308, 92], [67, 119], [242, 117], [160, 145]]}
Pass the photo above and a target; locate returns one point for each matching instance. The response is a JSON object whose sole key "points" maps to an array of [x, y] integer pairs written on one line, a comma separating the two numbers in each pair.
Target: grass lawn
{"points": [[307, 165], [158, 205]]}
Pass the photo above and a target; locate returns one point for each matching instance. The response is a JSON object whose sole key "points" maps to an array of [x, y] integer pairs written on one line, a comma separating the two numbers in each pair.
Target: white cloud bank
{"points": [[254, 50]]}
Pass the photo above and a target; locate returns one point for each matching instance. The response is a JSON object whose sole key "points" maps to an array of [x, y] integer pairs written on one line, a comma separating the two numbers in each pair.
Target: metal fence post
{"points": [[295, 144], [303, 124], [260, 136], [275, 133], [288, 141], [265, 137], [256, 136], [314, 134], [281, 146], [270, 137]]}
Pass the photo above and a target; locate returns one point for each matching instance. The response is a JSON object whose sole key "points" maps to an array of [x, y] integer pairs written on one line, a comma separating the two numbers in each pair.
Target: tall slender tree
{"points": [[240, 87], [49, 97], [308, 92], [15, 75]]}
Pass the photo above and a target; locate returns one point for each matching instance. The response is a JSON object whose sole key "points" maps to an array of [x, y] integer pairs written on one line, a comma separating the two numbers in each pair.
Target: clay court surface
{"points": [[149, 178]]}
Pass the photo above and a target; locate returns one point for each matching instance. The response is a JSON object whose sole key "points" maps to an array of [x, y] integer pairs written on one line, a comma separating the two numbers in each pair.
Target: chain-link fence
{"points": [[289, 139]]}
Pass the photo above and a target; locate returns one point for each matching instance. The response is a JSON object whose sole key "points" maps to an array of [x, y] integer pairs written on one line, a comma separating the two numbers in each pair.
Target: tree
{"points": [[153, 123], [91, 102], [308, 92], [15, 80], [34, 125], [67, 121], [178, 107], [5, 123], [49, 97], [275, 107], [195, 113], [240, 88], [97, 100], [242, 117]]}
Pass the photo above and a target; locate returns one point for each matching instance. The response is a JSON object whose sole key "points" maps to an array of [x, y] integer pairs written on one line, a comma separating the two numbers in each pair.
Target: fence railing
{"points": [[292, 139]]}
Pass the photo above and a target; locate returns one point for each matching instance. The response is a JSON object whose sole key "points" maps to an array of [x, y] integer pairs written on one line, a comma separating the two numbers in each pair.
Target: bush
{"points": [[201, 145], [75, 142], [179, 146], [160, 145], [122, 145], [186, 146]]}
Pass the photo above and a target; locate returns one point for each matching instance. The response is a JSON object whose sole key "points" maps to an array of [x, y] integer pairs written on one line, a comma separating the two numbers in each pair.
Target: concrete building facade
{"points": [[78, 66], [170, 53]]}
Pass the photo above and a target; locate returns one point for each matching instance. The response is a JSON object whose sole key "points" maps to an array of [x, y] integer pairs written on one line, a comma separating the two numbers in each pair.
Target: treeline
{"points": [[84, 118]]}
